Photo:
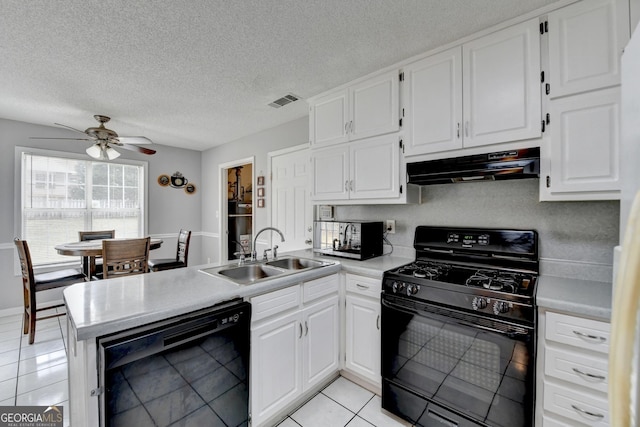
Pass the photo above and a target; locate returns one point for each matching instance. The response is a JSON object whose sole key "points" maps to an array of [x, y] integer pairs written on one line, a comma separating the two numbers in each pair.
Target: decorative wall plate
{"points": [[164, 180], [190, 188]]}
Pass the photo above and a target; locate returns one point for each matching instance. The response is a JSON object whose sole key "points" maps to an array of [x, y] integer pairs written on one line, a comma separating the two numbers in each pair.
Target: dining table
{"points": [[92, 249]]}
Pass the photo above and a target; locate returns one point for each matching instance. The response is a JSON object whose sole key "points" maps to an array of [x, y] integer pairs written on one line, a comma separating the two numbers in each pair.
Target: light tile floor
{"points": [[37, 375], [34, 374]]}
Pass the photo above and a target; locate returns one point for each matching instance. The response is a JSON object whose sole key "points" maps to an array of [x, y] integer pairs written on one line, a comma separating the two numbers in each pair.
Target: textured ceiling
{"points": [[199, 73]]}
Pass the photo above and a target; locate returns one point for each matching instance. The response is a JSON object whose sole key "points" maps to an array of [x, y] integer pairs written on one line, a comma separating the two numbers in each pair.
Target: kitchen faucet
{"points": [[254, 253], [243, 255]]}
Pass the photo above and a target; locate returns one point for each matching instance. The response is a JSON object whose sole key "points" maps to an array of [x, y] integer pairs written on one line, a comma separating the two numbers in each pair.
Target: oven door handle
{"points": [[511, 330]]}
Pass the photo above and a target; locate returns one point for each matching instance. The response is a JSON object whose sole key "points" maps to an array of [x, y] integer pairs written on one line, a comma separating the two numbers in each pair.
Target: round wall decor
{"points": [[164, 180], [190, 188]]}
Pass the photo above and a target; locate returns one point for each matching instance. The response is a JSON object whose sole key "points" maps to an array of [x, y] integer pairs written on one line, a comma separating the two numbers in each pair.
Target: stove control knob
{"points": [[500, 307], [479, 303], [397, 287], [412, 289]]}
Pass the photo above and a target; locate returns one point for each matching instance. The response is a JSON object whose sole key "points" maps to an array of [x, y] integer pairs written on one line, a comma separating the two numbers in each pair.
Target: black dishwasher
{"points": [[191, 370]]}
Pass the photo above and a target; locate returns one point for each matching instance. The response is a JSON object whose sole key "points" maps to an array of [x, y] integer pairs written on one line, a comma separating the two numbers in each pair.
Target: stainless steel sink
{"points": [[249, 274], [295, 263]]}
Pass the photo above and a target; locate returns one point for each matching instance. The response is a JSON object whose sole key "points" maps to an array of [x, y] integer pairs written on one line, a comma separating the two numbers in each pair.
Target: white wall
{"points": [[293, 133], [168, 210]]}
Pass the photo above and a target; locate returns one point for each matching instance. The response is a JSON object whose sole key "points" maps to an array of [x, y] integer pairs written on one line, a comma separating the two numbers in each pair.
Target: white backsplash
{"points": [[576, 238]]}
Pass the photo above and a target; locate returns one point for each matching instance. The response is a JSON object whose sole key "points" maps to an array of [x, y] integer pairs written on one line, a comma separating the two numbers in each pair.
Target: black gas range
{"points": [[458, 328]]}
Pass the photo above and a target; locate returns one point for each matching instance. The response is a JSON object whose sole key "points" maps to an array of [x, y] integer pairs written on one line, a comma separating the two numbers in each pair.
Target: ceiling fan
{"points": [[105, 139]]}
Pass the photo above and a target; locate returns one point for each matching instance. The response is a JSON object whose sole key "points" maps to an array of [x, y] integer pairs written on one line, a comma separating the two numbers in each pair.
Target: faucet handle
{"points": [[264, 254], [275, 251]]}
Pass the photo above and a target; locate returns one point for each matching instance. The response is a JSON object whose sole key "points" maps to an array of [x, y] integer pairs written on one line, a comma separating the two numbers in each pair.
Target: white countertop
{"points": [[104, 307], [580, 297]]}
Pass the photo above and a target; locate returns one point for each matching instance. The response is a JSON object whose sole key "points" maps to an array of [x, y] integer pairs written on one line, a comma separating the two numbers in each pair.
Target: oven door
{"points": [[444, 367]]}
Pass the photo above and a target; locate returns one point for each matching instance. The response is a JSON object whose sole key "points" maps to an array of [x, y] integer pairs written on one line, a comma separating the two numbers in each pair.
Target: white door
{"points": [[586, 40], [433, 98], [374, 168], [320, 350], [374, 106], [291, 210], [329, 119], [585, 143], [330, 173], [501, 86], [363, 337], [275, 366]]}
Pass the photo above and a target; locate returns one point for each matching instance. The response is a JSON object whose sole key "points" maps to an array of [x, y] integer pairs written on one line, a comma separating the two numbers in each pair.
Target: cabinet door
{"points": [[329, 119], [320, 350], [330, 173], [433, 103], [275, 366], [374, 165], [374, 106], [585, 143], [586, 40], [501, 86], [363, 337]]}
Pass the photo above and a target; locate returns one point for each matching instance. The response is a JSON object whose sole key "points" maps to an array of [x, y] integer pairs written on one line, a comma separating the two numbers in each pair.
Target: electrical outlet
{"points": [[391, 226]]}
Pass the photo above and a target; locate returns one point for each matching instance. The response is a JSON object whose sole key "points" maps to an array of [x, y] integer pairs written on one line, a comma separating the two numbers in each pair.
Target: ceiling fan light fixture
{"points": [[111, 153], [95, 151]]}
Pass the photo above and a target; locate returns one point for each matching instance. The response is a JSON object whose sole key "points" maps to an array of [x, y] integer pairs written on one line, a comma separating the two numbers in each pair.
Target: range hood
{"points": [[510, 164]]}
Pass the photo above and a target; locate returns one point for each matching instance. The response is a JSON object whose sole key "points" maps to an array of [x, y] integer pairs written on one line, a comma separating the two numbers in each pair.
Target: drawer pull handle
{"points": [[589, 337], [306, 328], [300, 330], [362, 286], [586, 374], [582, 411], [378, 322]]}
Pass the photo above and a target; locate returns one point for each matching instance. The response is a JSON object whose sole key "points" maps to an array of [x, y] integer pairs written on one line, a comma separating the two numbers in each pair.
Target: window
{"points": [[64, 195]]}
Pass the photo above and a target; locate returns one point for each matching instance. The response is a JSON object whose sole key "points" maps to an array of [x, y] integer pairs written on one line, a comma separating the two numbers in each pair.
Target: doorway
{"points": [[236, 200]]}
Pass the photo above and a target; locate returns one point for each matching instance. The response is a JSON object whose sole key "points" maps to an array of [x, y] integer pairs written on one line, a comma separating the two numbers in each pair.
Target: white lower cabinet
{"points": [[572, 371], [362, 345], [294, 349]]}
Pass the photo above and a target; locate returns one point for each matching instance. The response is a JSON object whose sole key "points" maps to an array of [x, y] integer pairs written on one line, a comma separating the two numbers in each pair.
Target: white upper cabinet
{"points": [[374, 106], [362, 170], [329, 119], [432, 94], [366, 109], [585, 145], [485, 92], [501, 86], [586, 40]]}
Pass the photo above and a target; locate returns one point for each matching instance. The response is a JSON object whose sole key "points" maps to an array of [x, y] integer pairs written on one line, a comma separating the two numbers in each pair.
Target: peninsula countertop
{"points": [[104, 307]]}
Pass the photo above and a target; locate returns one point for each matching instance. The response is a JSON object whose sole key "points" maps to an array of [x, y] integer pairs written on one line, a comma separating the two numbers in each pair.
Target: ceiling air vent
{"points": [[281, 102]]}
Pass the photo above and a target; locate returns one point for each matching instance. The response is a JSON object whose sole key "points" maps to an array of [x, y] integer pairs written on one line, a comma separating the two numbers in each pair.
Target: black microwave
{"points": [[348, 239]]}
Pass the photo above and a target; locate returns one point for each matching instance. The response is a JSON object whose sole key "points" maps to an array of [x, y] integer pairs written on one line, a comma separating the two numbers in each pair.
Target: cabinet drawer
{"points": [[317, 288], [574, 403], [587, 371], [584, 333], [275, 302], [364, 285]]}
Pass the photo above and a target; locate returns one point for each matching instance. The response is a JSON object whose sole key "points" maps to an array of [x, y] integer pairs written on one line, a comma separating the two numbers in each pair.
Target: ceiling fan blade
{"points": [[138, 140], [142, 150], [68, 139], [69, 127]]}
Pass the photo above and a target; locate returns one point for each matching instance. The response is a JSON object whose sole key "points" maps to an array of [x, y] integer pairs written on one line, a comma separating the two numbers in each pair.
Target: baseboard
{"points": [[10, 311], [373, 388]]}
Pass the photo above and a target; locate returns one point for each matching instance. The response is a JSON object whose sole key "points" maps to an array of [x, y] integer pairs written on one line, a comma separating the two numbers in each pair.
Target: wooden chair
{"points": [[182, 255], [125, 257], [33, 283], [94, 263]]}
